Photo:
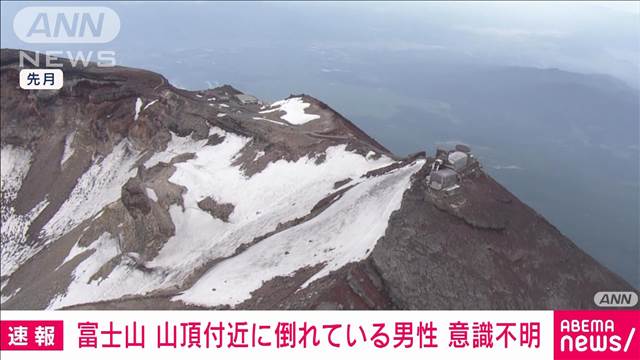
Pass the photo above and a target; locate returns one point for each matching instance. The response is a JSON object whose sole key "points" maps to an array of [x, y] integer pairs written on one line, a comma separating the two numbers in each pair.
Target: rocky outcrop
{"points": [[134, 198], [151, 224], [218, 210]]}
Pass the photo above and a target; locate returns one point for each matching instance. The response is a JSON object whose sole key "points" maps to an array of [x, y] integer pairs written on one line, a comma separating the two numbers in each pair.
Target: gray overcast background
{"points": [[545, 93]]}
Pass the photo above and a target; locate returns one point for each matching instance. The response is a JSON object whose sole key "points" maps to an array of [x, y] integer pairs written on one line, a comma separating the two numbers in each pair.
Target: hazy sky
{"points": [[598, 37]]}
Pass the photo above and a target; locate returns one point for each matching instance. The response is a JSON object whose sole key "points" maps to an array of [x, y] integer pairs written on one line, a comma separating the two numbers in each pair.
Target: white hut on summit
{"points": [[247, 99], [443, 179], [449, 168], [458, 160]]}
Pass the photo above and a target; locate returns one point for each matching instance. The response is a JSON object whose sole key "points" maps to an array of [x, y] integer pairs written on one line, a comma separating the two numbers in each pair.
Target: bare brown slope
{"points": [[483, 249]]}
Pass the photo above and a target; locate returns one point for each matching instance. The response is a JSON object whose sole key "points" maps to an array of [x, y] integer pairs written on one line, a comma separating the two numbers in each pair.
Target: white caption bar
{"points": [[41, 79]]}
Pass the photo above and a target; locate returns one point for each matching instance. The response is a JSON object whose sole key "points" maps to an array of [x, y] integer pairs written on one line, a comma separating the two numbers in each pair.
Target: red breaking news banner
{"points": [[596, 335], [42, 335]]}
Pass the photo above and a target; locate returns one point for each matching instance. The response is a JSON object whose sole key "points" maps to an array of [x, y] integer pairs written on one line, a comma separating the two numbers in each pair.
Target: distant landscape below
{"points": [[535, 106]]}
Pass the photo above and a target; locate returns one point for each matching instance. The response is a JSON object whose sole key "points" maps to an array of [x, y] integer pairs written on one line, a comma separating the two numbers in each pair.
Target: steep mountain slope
{"points": [[121, 191]]}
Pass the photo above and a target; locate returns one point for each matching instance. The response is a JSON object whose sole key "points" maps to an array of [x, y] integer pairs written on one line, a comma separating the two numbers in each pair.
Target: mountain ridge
{"points": [[137, 194]]}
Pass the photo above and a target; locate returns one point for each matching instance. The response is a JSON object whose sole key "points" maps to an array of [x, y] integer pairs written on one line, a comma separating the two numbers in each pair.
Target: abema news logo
{"points": [[597, 335]]}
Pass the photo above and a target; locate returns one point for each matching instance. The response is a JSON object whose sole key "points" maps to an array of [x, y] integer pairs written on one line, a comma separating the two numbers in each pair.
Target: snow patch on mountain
{"points": [[14, 166], [138, 107], [68, 148], [4, 298], [149, 104], [294, 111], [98, 187], [259, 154], [87, 287], [283, 191], [346, 232], [15, 250], [179, 145], [269, 120], [151, 194]]}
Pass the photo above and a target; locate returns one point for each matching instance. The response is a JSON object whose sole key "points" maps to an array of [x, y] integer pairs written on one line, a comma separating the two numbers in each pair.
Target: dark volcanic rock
{"points": [[134, 198], [482, 249], [218, 210], [356, 286]]}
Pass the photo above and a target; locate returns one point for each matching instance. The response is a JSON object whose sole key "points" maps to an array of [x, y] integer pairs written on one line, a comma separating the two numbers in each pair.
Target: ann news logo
{"points": [[67, 25], [78, 24], [615, 299]]}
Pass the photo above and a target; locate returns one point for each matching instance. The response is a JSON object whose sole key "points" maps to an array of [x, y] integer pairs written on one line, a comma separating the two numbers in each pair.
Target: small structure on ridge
{"points": [[450, 167]]}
